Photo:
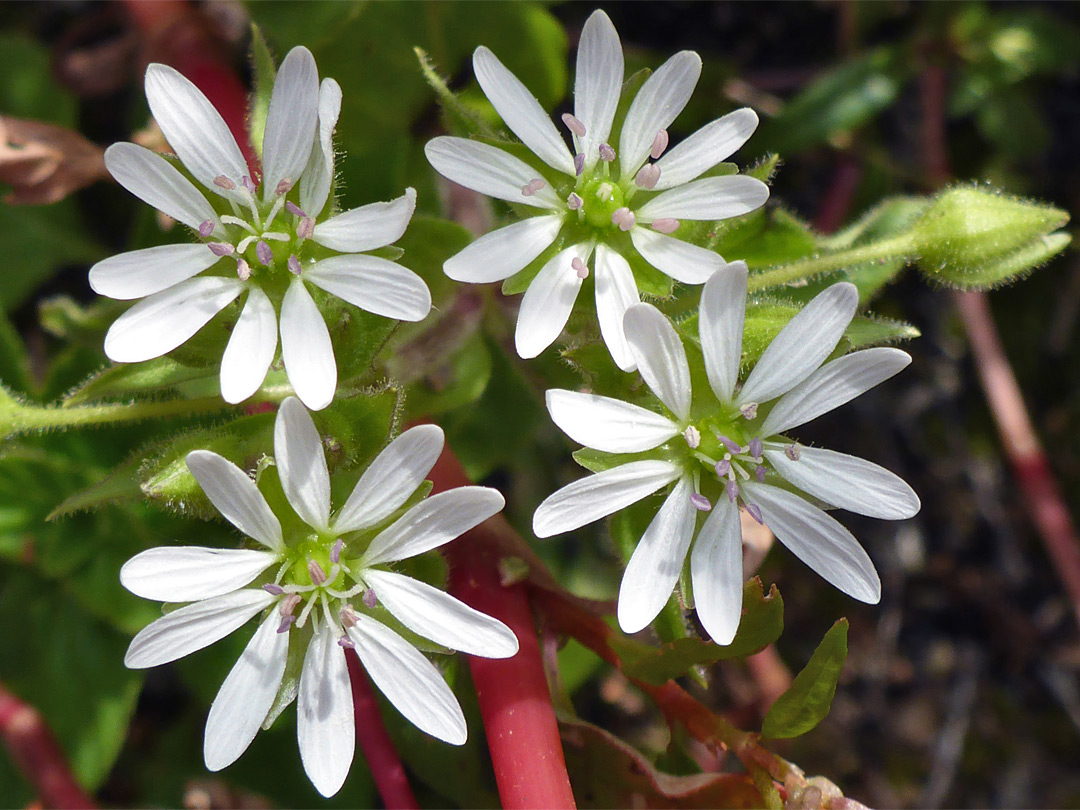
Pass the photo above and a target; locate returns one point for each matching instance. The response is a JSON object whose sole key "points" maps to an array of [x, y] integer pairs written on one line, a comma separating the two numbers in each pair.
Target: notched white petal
{"points": [[723, 313], [682, 261], [657, 104], [547, 303], [607, 424], [716, 572], [369, 226], [188, 573], [374, 284], [501, 253], [298, 453], [597, 82], [306, 348], [155, 181], [250, 349], [140, 273], [616, 292], [489, 170], [710, 198], [660, 356], [324, 714], [707, 147], [235, 495], [291, 120]]}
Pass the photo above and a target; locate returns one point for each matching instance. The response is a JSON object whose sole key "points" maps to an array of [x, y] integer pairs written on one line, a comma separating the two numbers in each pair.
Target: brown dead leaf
{"points": [[44, 163]]}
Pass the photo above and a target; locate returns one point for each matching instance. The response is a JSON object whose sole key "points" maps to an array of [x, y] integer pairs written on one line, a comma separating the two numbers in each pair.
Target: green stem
{"points": [[898, 247]]}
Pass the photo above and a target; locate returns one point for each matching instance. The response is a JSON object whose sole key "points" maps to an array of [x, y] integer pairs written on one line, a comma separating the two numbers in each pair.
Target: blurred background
{"points": [[961, 687]]}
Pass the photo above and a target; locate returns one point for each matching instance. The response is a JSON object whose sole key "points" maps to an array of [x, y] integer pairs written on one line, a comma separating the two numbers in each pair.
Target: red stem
{"points": [[382, 759], [515, 703], [37, 754]]}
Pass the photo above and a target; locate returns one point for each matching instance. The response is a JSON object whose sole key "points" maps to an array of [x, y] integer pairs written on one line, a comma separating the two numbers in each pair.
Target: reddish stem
{"points": [[382, 759], [515, 703], [37, 754], [177, 34]]}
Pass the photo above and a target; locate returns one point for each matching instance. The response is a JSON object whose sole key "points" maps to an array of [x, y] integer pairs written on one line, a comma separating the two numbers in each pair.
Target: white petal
{"points": [[306, 348], [660, 356], [716, 572], [291, 120], [607, 424], [657, 561], [547, 302], [298, 453], [433, 522], [673, 257], [818, 540], [802, 345], [250, 349], [835, 383], [598, 82], [235, 495], [616, 292], [707, 147], [599, 495], [155, 181], [193, 627], [409, 681], [188, 573], [731, 195], [246, 696], [847, 482], [324, 714], [392, 477], [489, 170], [501, 253], [440, 617], [158, 324], [720, 325], [317, 178], [369, 226], [194, 129], [657, 104], [140, 273], [373, 284], [521, 111]]}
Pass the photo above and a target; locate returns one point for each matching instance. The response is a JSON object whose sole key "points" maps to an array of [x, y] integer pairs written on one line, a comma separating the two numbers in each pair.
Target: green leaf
{"points": [[127, 381], [762, 623], [806, 703], [14, 363]]}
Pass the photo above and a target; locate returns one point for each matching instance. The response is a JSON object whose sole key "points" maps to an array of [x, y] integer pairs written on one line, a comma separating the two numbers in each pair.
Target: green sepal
{"points": [[807, 701], [762, 623], [128, 381], [264, 72]]}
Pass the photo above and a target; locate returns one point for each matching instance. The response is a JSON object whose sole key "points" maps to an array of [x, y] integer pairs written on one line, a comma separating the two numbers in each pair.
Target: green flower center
{"points": [[601, 198]]}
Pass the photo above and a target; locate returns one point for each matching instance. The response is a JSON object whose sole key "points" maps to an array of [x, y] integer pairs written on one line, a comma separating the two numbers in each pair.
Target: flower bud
{"points": [[974, 237]]}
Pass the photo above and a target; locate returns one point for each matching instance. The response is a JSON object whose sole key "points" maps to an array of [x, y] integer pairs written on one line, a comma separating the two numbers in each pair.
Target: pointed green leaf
{"points": [[807, 702]]}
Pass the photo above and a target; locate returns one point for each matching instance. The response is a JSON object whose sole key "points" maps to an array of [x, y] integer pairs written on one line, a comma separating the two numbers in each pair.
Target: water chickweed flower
{"points": [[727, 448], [328, 586], [265, 238], [601, 205]]}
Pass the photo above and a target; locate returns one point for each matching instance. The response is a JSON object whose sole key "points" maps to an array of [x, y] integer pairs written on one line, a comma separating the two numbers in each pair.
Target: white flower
{"points": [[736, 437], [327, 587], [269, 244], [602, 203]]}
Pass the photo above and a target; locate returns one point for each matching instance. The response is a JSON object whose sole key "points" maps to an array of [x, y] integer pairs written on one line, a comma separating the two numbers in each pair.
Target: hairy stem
{"points": [[902, 246]]}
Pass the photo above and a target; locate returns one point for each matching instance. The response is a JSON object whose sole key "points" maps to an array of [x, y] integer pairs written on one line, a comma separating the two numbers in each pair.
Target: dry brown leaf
{"points": [[44, 163]]}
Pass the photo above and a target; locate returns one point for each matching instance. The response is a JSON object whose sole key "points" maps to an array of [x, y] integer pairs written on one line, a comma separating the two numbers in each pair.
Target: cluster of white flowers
{"points": [[328, 587]]}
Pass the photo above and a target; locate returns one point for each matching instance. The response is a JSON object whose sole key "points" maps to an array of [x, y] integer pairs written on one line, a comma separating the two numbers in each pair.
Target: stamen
{"points": [[665, 225], [294, 209], [580, 268], [700, 502], [730, 444], [305, 228], [347, 616], [335, 552], [221, 181], [279, 203], [648, 176], [749, 410], [369, 599], [792, 452], [732, 491], [723, 467], [760, 473], [243, 270], [574, 124], [347, 643], [692, 436], [607, 154], [248, 184], [305, 613], [229, 220], [283, 186], [245, 243], [755, 512], [533, 186], [206, 227], [221, 248], [624, 218], [574, 202], [276, 590], [579, 164], [276, 236], [659, 144], [294, 268], [286, 623], [287, 605], [757, 447], [264, 252], [316, 572]]}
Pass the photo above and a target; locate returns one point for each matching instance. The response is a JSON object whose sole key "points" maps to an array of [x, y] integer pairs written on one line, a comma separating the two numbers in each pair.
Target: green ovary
{"points": [[601, 198]]}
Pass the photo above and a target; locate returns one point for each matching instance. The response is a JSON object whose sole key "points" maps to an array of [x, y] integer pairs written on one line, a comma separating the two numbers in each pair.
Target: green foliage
{"points": [[806, 703], [264, 70]]}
